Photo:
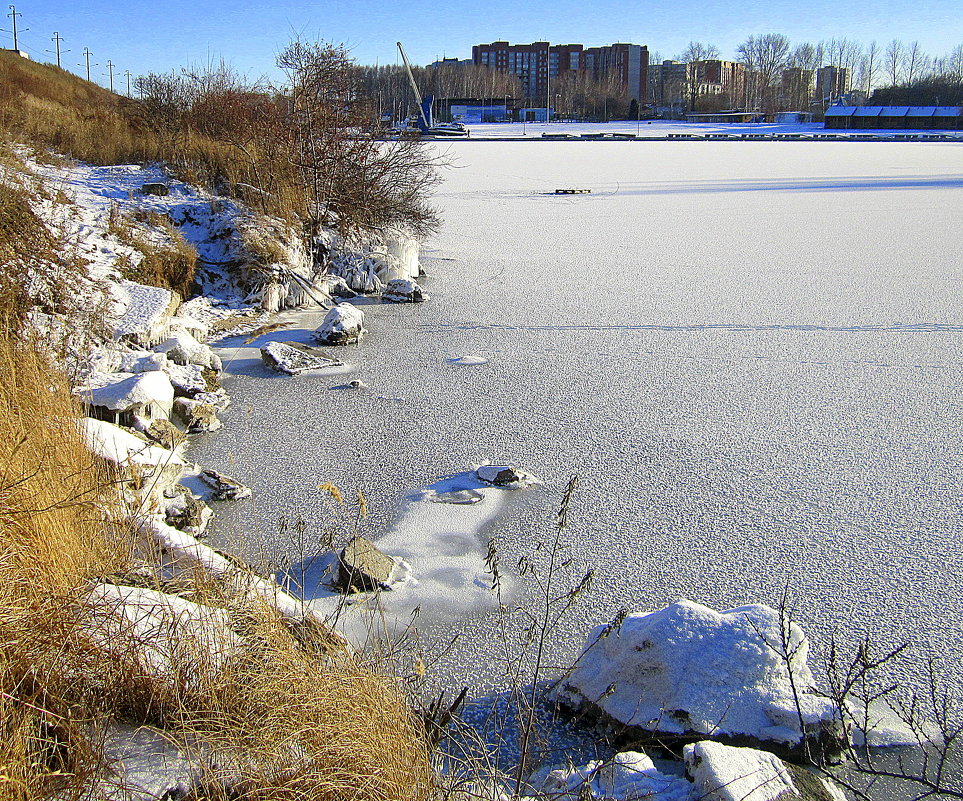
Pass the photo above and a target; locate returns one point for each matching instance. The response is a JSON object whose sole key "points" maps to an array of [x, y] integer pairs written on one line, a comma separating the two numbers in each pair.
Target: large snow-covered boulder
{"points": [[293, 358], [142, 313], [343, 325], [149, 396], [403, 290], [688, 670], [726, 773]]}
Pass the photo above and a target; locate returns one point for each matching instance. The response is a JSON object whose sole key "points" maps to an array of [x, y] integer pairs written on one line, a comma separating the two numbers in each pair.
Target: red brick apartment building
{"points": [[536, 63]]}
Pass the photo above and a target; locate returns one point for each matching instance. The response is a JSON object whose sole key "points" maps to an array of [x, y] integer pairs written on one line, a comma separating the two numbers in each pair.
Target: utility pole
{"points": [[87, 55], [127, 73], [13, 15], [110, 69], [57, 39]]}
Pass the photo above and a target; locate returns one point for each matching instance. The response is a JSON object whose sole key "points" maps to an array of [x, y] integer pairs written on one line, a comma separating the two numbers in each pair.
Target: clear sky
{"points": [[166, 34]]}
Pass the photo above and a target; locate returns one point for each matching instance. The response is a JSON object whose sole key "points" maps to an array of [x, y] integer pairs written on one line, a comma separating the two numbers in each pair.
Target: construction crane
{"points": [[425, 122]]}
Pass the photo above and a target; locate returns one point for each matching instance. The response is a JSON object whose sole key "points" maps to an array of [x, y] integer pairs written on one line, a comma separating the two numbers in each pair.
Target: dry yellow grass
{"points": [[288, 717]]}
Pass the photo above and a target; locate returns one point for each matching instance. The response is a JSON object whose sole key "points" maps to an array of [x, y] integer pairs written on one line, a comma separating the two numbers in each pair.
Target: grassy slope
{"points": [[308, 725]]}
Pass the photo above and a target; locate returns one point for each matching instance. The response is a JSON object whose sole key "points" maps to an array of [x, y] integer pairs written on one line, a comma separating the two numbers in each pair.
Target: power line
{"points": [[13, 15], [128, 74], [57, 39], [87, 55], [110, 69]]}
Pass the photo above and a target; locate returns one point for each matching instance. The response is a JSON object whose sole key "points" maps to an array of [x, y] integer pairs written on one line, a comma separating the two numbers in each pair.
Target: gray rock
{"points": [[362, 567], [197, 415], [188, 513], [164, 433], [225, 488], [293, 358], [403, 290], [156, 188]]}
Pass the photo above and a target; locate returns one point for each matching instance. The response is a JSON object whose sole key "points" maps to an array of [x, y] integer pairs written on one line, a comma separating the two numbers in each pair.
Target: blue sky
{"points": [[165, 34]]}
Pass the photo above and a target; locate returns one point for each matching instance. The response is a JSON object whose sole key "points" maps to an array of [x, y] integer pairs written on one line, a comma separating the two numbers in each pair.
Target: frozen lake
{"points": [[751, 354]]}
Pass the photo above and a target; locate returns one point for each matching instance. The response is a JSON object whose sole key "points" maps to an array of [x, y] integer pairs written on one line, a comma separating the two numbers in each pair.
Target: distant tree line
{"points": [[775, 75]]}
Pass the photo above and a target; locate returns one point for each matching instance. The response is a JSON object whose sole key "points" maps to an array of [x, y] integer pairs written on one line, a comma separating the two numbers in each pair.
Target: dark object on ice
{"points": [[573, 191], [225, 488], [363, 568], [501, 475], [156, 188]]}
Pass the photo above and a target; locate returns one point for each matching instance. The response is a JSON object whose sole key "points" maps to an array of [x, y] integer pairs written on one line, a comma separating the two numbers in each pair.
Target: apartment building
{"points": [[539, 63], [832, 82]]}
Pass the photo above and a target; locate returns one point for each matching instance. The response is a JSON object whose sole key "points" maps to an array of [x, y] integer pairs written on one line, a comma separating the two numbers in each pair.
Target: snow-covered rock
{"points": [[726, 773], [505, 475], [143, 313], [343, 325], [689, 670], [141, 362], [157, 631], [183, 348], [403, 290], [627, 776], [188, 379], [147, 470], [293, 358], [116, 445], [185, 554], [147, 395]]}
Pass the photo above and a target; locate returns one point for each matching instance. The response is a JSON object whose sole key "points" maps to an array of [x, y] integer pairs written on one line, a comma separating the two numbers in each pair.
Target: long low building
{"points": [[942, 118]]}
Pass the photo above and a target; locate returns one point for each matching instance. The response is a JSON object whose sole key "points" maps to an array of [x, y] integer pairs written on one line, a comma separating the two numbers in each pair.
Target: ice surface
{"points": [[751, 353]]}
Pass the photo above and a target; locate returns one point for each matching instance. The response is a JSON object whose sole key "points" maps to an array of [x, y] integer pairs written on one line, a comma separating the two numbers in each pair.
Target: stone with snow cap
{"points": [[688, 670], [403, 290], [293, 358], [197, 415], [726, 773], [343, 325]]}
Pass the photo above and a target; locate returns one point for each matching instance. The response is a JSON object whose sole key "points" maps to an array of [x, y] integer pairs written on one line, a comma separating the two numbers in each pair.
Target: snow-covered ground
{"points": [[751, 353]]}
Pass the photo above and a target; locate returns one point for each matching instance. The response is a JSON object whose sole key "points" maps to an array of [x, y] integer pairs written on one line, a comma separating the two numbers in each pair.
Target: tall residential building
{"points": [[668, 84], [797, 88], [721, 77], [538, 63], [832, 82]]}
